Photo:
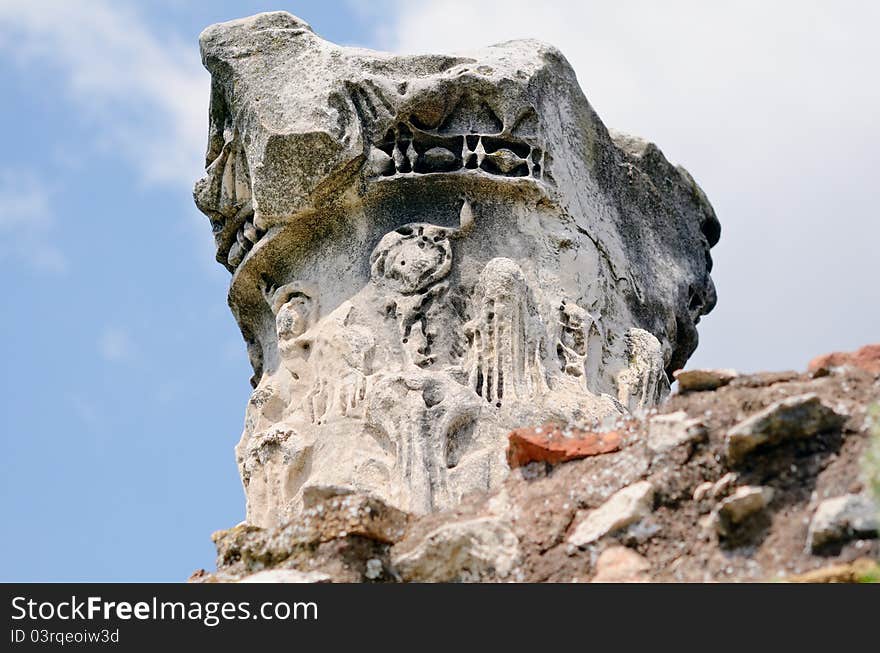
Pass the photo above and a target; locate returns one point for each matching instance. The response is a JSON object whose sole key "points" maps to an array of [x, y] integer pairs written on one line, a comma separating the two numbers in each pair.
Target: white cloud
{"points": [[115, 344], [772, 106], [26, 223], [146, 94]]}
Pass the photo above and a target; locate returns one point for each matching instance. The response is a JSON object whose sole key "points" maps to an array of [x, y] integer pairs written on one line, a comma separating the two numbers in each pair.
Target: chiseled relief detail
{"points": [[506, 338], [398, 393], [464, 141], [415, 275], [408, 268], [224, 194]]}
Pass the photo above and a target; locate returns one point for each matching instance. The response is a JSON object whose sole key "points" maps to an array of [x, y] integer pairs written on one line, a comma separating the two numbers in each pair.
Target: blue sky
{"points": [[124, 375]]}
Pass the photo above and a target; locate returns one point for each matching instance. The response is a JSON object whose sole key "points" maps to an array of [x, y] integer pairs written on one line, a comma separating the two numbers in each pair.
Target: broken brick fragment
{"points": [[554, 444], [867, 358]]}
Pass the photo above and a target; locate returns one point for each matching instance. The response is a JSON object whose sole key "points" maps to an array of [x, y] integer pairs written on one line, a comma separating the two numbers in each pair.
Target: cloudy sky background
{"points": [[124, 376]]}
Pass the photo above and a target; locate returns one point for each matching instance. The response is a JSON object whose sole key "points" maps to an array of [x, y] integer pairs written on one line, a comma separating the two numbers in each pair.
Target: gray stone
{"points": [[763, 379], [625, 507], [701, 380], [739, 506], [468, 550], [374, 569], [619, 564], [843, 518], [666, 432], [247, 548], [286, 576], [428, 251], [796, 417]]}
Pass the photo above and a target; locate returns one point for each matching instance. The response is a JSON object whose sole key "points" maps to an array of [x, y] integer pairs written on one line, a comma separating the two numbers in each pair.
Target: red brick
{"points": [[549, 444], [867, 358]]}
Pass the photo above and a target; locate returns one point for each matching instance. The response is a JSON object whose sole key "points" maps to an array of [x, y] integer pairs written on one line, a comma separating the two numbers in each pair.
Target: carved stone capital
{"points": [[428, 251]]}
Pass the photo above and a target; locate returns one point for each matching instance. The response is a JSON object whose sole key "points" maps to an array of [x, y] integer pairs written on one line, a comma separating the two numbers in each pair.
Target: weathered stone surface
{"points": [[867, 358], [286, 576], [796, 417], [429, 251], [466, 550], [763, 379], [553, 444], [542, 505], [619, 564], [842, 518], [672, 430], [374, 569], [253, 548], [701, 380], [739, 506], [623, 508]]}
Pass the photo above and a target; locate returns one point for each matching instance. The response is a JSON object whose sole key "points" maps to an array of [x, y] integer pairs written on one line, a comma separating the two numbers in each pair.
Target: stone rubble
{"points": [[795, 417], [702, 380], [763, 379], [365, 522], [620, 564], [739, 506], [374, 569], [628, 515], [841, 518], [286, 576], [672, 430], [467, 550], [625, 507], [867, 358]]}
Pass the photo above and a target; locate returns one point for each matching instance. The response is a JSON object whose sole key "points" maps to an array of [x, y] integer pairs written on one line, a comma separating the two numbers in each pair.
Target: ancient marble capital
{"points": [[428, 251]]}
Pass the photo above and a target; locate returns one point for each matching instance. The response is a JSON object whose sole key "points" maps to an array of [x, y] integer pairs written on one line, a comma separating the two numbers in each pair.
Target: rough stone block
{"points": [[796, 417]]}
